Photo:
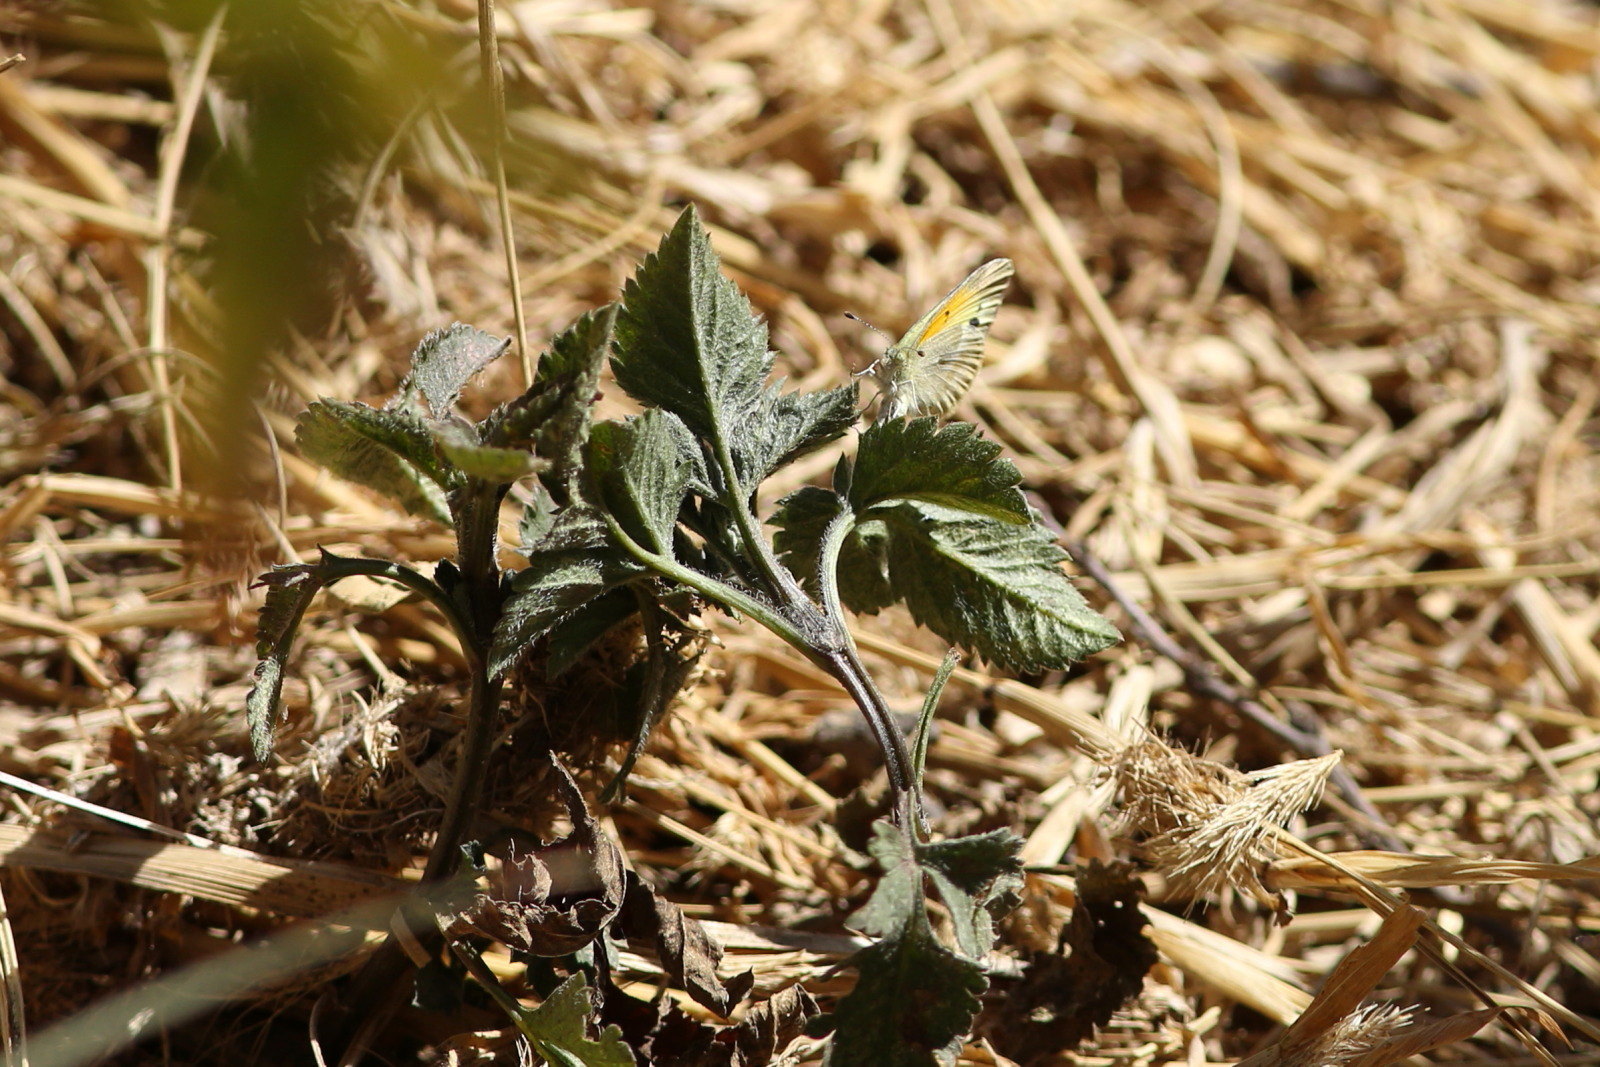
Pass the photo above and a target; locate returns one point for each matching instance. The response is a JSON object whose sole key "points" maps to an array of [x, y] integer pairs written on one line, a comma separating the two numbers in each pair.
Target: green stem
{"points": [[718, 592], [348, 566], [780, 583], [848, 668]]}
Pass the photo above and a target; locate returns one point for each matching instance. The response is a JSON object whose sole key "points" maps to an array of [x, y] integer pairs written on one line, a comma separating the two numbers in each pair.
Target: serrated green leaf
{"points": [[458, 443], [442, 364], [573, 364], [788, 425], [570, 566], [537, 520], [290, 589], [519, 423], [897, 899], [687, 340], [978, 878], [915, 999], [641, 469], [558, 1029], [912, 1006], [953, 466], [389, 451], [801, 519], [988, 586], [577, 632]]}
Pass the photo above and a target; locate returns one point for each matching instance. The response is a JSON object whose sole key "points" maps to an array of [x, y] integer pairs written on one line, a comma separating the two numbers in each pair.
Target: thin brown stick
{"points": [[494, 78]]}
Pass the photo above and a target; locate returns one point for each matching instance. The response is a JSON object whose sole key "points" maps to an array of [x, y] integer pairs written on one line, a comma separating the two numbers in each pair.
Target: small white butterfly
{"points": [[927, 370]]}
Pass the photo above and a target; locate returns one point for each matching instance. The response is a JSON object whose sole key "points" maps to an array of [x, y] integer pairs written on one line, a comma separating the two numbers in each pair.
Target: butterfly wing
{"points": [[929, 369]]}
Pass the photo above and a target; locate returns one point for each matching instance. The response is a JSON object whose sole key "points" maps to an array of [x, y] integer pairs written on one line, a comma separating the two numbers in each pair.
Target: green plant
{"points": [[632, 518]]}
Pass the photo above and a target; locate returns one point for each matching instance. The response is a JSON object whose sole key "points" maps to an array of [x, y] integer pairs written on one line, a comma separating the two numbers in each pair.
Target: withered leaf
{"points": [[1064, 995], [559, 898], [685, 950]]}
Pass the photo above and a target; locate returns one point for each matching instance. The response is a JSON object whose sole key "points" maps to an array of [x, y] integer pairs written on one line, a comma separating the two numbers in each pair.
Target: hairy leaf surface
{"points": [[949, 465], [443, 363], [642, 468], [688, 342], [989, 586], [572, 367], [915, 999], [389, 451], [290, 589], [569, 567]]}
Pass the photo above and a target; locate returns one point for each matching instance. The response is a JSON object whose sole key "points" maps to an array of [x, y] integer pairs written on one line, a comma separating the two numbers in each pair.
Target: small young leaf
{"points": [[442, 364], [558, 1029], [519, 423], [987, 585], [576, 357], [917, 459], [572, 565], [389, 451], [641, 468], [290, 589]]}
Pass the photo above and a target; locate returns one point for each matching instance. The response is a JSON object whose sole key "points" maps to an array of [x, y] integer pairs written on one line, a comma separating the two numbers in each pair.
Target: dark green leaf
{"points": [[801, 519], [917, 459], [558, 1029], [641, 468], [978, 878], [290, 589], [985, 585], [788, 425], [915, 999], [389, 451], [443, 363], [573, 564], [912, 1006], [687, 340], [578, 632], [574, 362]]}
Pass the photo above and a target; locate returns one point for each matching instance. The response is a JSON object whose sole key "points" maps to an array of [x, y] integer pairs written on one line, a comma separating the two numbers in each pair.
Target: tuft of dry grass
{"points": [[1300, 355]]}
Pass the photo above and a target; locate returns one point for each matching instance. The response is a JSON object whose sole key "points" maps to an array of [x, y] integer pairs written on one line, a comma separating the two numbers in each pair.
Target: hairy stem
{"points": [[845, 665]]}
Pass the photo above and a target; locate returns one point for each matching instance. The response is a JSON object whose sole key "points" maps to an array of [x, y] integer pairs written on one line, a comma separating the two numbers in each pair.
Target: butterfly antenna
{"points": [[853, 317]]}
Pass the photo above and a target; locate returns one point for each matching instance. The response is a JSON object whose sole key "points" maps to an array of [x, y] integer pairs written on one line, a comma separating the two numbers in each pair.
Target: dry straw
{"points": [[1300, 349]]}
